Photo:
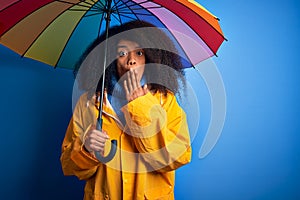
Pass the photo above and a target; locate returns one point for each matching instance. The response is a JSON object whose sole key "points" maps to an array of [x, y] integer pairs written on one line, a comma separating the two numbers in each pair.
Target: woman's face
{"points": [[130, 56]]}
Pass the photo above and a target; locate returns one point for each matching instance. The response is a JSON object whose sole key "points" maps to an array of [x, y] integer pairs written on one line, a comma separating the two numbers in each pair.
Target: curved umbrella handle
{"points": [[113, 148], [110, 155]]}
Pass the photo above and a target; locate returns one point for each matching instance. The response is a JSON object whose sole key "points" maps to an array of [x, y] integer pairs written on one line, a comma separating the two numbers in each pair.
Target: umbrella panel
{"points": [[52, 42]]}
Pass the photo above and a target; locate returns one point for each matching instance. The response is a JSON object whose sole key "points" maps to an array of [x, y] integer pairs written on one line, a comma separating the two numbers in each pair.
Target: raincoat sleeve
{"points": [[160, 132], [74, 159]]}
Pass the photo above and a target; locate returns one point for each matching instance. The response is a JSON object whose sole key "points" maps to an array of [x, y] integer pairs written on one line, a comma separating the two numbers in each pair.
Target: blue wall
{"points": [[257, 155], [35, 110]]}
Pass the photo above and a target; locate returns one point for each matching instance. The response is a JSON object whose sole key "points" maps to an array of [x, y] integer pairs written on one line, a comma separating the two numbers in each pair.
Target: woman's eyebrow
{"points": [[122, 46]]}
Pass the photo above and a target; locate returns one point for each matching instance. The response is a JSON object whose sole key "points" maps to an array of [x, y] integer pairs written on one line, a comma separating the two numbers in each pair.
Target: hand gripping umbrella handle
{"points": [[112, 151]]}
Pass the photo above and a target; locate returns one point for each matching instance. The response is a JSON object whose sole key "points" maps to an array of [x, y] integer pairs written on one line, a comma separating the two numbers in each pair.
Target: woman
{"points": [[140, 111]]}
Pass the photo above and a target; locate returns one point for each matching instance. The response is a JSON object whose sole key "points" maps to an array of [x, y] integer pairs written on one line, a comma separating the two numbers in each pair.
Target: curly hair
{"points": [[164, 66]]}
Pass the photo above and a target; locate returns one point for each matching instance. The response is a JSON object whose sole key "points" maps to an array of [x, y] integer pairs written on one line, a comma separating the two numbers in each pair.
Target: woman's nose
{"points": [[131, 58]]}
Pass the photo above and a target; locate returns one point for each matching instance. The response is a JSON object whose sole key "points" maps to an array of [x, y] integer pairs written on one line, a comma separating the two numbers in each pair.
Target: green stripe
{"points": [[48, 47]]}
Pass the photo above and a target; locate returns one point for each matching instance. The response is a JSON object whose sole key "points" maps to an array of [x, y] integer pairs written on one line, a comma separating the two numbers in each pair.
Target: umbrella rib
{"points": [[152, 7], [118, 19], [95, 8], [86, 3], [78, 9], [146, 1], [116, 11], [127, 16], [124, 13], [119, 12], [98, 4], [90, 10], [93, 14], [123, 7], [100, 25], [78, 4], [116, 4]]}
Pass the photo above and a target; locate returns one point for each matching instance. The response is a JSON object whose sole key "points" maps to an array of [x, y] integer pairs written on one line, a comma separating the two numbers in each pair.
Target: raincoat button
{"points": [[125, 181]]}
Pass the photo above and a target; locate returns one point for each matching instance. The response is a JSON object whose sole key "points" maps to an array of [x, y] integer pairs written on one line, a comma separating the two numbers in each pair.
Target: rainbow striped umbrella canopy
{"points": [[57, 32]]}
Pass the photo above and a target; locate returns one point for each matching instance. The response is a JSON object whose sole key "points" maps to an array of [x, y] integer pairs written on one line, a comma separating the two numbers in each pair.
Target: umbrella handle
{"points": [[112, 151], [110, 155]]}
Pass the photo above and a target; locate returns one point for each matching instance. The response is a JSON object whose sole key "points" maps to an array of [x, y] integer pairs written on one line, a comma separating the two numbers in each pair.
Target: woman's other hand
{"points": [[132, 86]]}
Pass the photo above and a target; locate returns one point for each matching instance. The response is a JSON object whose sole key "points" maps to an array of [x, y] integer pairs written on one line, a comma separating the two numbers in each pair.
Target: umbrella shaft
{"points": [[108, 13]]}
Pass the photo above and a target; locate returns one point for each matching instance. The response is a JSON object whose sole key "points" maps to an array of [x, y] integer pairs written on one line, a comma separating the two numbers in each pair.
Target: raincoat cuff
{"points": [[140, 105], [81, 158], [141, 112]]}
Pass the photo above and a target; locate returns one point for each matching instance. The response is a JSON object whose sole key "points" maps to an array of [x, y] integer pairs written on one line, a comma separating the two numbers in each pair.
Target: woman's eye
{"points": [[140, 53], [122, 53]]}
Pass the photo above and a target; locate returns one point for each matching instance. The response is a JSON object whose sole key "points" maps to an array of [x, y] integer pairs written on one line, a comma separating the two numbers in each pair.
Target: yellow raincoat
{"points": [[153, 143]]}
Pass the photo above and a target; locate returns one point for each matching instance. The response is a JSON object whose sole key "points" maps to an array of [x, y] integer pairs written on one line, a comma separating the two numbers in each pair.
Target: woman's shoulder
{"points": [[85, 99]]}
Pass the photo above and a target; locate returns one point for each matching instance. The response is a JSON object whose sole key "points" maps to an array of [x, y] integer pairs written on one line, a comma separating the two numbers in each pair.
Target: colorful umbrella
{"points": [[57, 32]]}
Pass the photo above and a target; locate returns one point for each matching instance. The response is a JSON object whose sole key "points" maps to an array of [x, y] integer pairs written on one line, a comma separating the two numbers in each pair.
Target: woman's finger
{"points": [[129, 82], [145, 89], [127, 93], [136, 79], [133, 80], [95, 140]]}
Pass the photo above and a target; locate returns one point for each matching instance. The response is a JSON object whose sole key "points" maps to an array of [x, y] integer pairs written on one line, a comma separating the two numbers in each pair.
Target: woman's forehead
{"points": [[128, 44]]}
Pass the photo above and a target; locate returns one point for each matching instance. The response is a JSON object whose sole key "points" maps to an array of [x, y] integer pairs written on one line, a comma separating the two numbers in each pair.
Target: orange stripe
{"points": [[205, 14]]}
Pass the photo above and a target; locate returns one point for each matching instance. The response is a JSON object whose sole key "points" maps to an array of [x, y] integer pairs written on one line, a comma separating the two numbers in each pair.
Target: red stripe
{"points": [[13, 14], [6, 3], [210, 36]]}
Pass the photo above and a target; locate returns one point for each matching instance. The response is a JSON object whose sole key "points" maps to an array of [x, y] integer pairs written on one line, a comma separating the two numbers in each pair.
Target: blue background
{"points": [[257, 155]]}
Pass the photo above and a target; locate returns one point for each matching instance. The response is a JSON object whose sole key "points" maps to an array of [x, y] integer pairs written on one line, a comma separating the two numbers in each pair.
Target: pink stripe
{"points": [[191, 43]]}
